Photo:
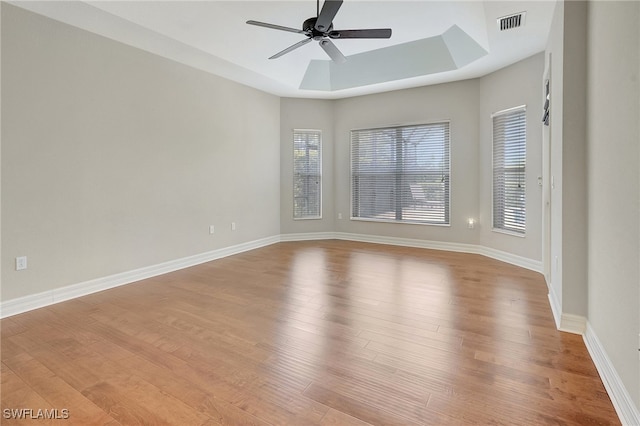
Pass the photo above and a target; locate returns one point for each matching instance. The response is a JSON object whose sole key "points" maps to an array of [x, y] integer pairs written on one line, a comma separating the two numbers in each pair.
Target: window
{"points": [[401, 174], [307, 174], [509, 154]]}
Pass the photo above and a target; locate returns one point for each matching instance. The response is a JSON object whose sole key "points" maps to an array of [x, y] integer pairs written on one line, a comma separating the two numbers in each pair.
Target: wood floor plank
{"points": [[9, 348], [18, 396], [309, 333], [373, 413], [338, 418], [10, 327], [190, 393], [58, 393]]}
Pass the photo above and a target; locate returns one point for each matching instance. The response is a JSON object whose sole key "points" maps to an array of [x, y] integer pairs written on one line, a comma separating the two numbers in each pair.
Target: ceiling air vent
{"points": [[511, 21]]}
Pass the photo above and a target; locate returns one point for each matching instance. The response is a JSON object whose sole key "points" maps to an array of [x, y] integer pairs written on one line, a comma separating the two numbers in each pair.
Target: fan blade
{"points": [[332, 51], [290, 48], [276, 27], [329, 10], [370, 33]]}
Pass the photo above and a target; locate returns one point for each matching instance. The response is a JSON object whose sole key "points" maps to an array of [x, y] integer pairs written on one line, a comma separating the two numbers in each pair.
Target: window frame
{"points": [[319, 133], [502, 230], [447, 204]]}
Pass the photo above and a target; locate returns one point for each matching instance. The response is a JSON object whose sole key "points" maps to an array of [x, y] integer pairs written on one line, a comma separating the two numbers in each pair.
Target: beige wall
{"points": [[567, 61], [109, 151], [115, 159], [519, 84], [574, 163], [457, 102], [614, 184], [306, 114], [468, 105], [1, 267], [552, 160], [594, 66]]}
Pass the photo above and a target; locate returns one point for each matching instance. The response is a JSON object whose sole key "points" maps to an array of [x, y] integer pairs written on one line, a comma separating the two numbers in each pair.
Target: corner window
{"points": [[307, 174], [509, 161], [401, 174]]}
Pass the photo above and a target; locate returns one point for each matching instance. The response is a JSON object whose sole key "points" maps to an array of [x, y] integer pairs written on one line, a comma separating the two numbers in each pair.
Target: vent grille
{"points": [[511, 21]]}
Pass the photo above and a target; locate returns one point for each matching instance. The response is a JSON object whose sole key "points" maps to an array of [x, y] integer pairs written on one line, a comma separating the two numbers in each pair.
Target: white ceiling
{"points": [[213, 35]]}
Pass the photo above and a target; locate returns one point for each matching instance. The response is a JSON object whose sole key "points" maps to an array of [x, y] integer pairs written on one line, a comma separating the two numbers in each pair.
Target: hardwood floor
{"points": [[311, 333]]}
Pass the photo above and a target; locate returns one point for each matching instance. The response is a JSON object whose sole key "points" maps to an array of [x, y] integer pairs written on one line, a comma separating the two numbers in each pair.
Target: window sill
{"points": [[400, 222], [513, 234], [308, 218]]}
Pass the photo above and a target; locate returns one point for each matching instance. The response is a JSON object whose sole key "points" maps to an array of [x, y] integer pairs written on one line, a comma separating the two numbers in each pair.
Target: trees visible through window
{"points": [[401, 174], [509, 160], [307, 174]]}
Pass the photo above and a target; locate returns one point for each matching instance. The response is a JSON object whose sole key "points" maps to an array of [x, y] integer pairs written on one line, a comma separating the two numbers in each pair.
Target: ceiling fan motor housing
{"points": [[309, 26], [320, 29]]}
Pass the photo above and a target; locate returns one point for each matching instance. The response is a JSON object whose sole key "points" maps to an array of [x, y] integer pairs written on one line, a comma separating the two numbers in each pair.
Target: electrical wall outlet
{"points": [[339, 215], [233, 226], [21, 263], [211, 229]]}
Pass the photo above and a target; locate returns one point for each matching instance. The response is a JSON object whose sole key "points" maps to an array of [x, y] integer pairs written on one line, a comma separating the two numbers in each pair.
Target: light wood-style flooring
{"points": [[308, 333]]}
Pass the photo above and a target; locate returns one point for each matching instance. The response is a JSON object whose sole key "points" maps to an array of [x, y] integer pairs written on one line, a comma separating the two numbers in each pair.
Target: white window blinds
{"points": [[401, 174], [509, 157], [307, 174]]}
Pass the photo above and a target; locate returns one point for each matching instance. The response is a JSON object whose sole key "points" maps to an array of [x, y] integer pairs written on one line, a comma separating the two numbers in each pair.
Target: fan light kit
{"points": [[320, 29]]}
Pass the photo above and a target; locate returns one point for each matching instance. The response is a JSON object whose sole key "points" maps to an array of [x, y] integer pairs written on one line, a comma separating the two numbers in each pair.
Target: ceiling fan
{"points": [[320, 29]]}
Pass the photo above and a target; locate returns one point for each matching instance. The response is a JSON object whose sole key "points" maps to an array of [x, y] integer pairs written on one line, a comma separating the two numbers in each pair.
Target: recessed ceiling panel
{"points": [[446, 52], [462, 47]]}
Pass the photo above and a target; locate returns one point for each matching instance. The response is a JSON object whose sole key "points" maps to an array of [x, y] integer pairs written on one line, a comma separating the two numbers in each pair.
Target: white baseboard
{"points": [[556, 307], [406, 242], [569, 323], [309, 236], [576, 324], [622, 401], [40, 300], [35, 301], [523, 262], [513, 259]]}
